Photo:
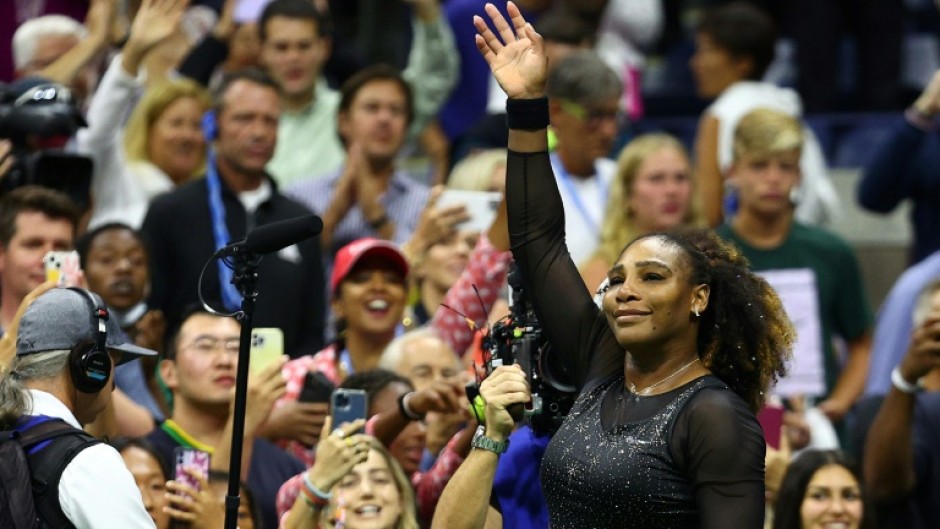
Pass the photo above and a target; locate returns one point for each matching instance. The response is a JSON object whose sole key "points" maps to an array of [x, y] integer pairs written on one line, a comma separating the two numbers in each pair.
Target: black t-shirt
{"points": [[699, 450]]}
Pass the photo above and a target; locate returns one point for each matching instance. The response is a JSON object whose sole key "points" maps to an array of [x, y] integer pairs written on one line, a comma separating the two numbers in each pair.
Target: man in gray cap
{"points": [[66, 348]]}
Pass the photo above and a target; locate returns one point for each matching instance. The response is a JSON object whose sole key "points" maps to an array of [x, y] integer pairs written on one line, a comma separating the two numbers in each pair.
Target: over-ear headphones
{"points": [[89, 362], [210, 128]]}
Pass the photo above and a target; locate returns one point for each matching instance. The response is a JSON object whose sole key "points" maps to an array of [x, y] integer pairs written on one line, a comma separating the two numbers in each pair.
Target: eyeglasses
{"points": [[593, 117], [211, 344]]}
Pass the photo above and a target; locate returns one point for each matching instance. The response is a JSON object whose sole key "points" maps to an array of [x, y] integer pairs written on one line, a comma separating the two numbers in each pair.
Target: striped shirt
{"points": [[403, 202]]}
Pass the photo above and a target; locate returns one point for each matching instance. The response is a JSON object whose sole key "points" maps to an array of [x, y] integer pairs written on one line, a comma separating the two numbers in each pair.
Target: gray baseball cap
{"points": [[62, 318]]}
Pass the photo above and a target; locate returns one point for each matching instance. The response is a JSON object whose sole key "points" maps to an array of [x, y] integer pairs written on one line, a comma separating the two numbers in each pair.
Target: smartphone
{"points": [[316, 388], [770, 418], [267, 346], [347, 405], [190, 458], [480, 205], [63, 268]]}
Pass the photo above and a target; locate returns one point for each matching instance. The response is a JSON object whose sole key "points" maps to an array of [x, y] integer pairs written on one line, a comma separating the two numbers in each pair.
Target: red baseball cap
{"points": [[349, 255]]}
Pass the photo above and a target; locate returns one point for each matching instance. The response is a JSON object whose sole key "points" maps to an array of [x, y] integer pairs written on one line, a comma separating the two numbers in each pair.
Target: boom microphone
{"points": [[272, 237]]}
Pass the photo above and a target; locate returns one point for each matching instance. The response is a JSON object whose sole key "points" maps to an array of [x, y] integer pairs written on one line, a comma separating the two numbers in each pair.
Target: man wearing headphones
{"points": [[61, 379]]}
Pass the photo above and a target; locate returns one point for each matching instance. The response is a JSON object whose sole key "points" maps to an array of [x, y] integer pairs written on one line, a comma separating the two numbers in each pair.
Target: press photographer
{"points": [[37, 120], [525, 385]]}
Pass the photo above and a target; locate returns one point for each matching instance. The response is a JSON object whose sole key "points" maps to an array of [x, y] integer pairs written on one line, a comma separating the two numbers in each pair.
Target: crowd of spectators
{"points": [[148, 134]]}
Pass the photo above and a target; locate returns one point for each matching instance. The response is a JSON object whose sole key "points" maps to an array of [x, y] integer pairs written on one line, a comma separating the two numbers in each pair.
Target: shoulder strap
{"points": [[50, 447]]}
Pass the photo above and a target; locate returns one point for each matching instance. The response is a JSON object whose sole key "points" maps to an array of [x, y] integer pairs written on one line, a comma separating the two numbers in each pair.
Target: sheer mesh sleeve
{"points": [[719, 444], [566, 311]]}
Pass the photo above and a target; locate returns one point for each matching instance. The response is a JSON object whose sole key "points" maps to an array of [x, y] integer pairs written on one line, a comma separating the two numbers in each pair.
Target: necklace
{"points": [[647, 389]]}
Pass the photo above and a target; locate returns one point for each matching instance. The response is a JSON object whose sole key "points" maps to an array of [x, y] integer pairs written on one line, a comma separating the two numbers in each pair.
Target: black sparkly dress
{"points": [[689, 458]]}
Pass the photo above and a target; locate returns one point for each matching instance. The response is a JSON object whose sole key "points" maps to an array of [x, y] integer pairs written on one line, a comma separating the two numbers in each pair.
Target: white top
{"points": [[819, 203], [584, 201], [96, 490], [122, 190], [627, 27]]}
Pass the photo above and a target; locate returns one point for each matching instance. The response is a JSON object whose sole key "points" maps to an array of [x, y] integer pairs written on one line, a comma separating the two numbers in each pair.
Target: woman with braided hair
{"points": [[670, 368]]}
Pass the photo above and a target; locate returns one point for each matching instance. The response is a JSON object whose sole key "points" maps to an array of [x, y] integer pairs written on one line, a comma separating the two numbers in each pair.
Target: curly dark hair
{"points": [[745, 337]]}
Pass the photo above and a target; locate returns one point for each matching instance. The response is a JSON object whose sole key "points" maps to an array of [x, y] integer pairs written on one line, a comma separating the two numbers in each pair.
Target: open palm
{"points": [[156, 20], [516, 55]]}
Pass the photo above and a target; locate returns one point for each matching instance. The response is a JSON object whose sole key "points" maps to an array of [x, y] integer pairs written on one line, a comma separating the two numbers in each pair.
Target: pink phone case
{"points": [[190, 458]]}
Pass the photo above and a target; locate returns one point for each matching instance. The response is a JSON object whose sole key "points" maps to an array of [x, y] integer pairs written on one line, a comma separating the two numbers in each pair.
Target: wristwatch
{"points": [[481, 441]]}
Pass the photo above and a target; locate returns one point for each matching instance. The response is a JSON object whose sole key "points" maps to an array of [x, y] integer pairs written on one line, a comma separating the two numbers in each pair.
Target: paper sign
{"points": [[798, 293]]}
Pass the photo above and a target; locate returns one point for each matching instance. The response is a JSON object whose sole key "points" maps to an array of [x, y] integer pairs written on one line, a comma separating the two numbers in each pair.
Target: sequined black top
{"points": [[689, 458]]}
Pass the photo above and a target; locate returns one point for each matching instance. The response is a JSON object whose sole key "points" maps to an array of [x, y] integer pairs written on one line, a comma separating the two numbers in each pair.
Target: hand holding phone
{"points": [[63, 268], [190, 458], [481, 205], [316, 388], [347, 405]]}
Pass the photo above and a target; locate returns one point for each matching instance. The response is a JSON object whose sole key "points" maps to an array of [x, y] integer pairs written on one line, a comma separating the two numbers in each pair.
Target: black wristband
{"points": [[527, 114], [406, 411]]}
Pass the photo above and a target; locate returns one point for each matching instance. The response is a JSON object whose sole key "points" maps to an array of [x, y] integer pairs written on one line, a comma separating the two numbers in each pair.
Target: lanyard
{"points": [[230, 296], [565, 179]]}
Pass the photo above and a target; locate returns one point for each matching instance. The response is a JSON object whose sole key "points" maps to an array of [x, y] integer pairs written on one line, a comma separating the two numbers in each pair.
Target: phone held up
{"points": [[190, 458], [347, 405], [267, 346], [63, 268], [316, 388]]}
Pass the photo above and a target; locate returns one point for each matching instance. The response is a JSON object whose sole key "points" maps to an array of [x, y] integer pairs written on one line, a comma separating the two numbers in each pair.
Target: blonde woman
{"points": [[651, 191], [355, 484], [163, 142]]}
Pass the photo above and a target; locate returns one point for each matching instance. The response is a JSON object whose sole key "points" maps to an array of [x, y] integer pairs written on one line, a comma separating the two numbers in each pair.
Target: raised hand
{"points": [[156, 21], [516, 56], [196, 508], [442, 396], [923, 355], [338, 451], [299, 421], [100, 18], [265, 387]]}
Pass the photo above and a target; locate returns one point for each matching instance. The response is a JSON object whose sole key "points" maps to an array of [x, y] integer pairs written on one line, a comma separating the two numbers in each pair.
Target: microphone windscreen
{"points": [[272, 237]]}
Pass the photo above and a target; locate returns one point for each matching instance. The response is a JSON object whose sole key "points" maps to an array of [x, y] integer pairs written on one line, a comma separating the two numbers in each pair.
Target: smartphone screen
{"points": [[481, 205], [190, 458], [63, 268], [347, 405], [267, 346]]}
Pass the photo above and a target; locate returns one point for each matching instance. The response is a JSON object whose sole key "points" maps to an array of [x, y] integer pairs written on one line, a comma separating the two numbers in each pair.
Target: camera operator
{"points": [[37, 119], [473, 498]]}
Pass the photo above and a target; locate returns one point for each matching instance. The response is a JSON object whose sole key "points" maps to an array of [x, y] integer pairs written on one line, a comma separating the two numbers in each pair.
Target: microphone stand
{"points": [[245, 279]]}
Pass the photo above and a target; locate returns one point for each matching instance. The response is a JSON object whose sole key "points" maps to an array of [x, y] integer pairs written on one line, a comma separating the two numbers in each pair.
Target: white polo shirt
{"points": [[96, 490]]}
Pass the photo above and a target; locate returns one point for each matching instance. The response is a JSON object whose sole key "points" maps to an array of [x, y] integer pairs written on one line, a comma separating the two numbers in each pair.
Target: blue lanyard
{"points": [[575, 198], [230, 296]]}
